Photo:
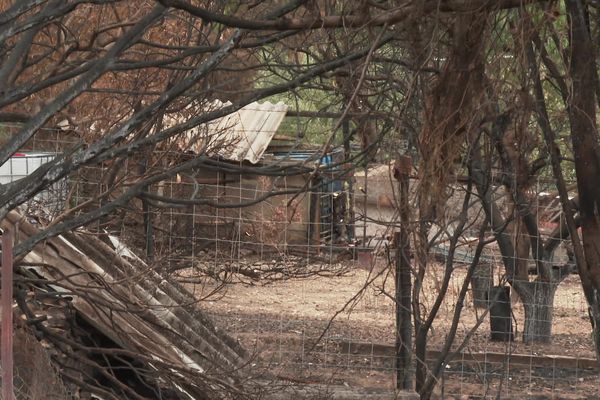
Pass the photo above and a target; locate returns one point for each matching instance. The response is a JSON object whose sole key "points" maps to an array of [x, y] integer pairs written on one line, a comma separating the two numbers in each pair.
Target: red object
{"points": [[19, 155], [7, 317]]}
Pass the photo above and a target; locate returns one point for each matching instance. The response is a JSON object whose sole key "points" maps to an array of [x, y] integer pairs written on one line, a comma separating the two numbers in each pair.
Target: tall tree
{"points": [[582, 109]]}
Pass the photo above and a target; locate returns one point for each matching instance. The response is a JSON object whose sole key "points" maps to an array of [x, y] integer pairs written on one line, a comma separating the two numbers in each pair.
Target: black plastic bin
{"points": [[500, 314]]}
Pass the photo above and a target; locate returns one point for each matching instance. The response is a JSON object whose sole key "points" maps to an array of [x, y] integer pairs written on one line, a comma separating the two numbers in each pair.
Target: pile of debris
{"points": [[253, 269], [116, 329]]}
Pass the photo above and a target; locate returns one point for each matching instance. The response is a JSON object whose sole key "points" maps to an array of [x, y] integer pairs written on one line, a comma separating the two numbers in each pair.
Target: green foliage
{"points": [[280, 68]]}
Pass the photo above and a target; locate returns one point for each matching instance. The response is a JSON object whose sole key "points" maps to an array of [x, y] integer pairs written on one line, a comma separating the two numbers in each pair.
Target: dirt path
{"points": [[283, 319]]}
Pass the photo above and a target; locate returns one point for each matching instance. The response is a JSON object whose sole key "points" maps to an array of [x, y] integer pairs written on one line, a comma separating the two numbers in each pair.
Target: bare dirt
{"points": [[282, 321]]}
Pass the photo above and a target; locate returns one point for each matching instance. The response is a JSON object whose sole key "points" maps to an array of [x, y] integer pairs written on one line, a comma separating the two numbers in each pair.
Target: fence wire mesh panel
{"points": [[310, 293], [300, 270], [320, 308], [288, 327]]}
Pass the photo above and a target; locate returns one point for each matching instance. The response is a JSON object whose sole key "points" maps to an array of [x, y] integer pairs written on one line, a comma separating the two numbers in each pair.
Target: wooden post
{"points": [[365, 205], [403, 280], [351, 217], [146, 214], [7, 317]]}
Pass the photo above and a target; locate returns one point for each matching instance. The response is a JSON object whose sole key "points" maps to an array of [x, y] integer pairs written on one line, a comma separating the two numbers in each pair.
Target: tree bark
{"points": [[586, 151], [481, 282], [537, 296], [538, 303], [403, 282]]}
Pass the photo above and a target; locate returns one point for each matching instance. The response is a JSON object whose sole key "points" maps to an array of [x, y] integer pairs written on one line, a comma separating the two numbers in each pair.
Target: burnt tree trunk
{"points": [[580, 101], [537, 296], [501, 328]]}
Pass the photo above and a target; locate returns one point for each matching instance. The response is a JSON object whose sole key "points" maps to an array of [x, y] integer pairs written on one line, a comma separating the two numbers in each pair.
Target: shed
{"points": [[286, 221]]}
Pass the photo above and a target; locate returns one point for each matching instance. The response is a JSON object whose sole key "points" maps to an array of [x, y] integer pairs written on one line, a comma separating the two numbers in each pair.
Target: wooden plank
{"points": [[337, 392], [384, 350], [7, 316], [528, 360]]}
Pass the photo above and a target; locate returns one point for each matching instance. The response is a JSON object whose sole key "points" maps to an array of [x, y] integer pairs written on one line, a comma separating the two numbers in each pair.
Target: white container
{"points": [[22, 164]]}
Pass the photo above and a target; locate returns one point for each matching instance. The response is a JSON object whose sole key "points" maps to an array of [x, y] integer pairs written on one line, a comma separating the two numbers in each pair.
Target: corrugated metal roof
{"points": [[242, 135]]}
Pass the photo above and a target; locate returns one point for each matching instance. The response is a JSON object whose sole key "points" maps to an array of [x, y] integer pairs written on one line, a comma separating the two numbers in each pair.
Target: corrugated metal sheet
{"points": [[242, 135], [140, 314]]}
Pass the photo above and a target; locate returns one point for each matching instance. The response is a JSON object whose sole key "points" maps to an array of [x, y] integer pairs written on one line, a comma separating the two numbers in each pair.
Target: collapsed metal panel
{"points": [[131, 303]]}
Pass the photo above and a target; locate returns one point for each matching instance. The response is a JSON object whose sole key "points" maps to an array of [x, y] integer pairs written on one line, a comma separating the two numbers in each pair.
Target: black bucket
{"points": [[500, 314]]}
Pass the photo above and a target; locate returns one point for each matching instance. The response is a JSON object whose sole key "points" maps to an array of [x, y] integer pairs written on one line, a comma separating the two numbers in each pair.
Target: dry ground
{"points": [[282, 320]]}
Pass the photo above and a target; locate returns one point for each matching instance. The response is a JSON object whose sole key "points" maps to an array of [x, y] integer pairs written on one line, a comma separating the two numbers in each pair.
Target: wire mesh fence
{"points": [[305, 280], [289, 328], [35, 378], [341, 329]]}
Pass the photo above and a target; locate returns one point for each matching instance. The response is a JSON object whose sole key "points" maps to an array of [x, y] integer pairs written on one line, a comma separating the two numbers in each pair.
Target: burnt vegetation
{"points": [[482, 100]]}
